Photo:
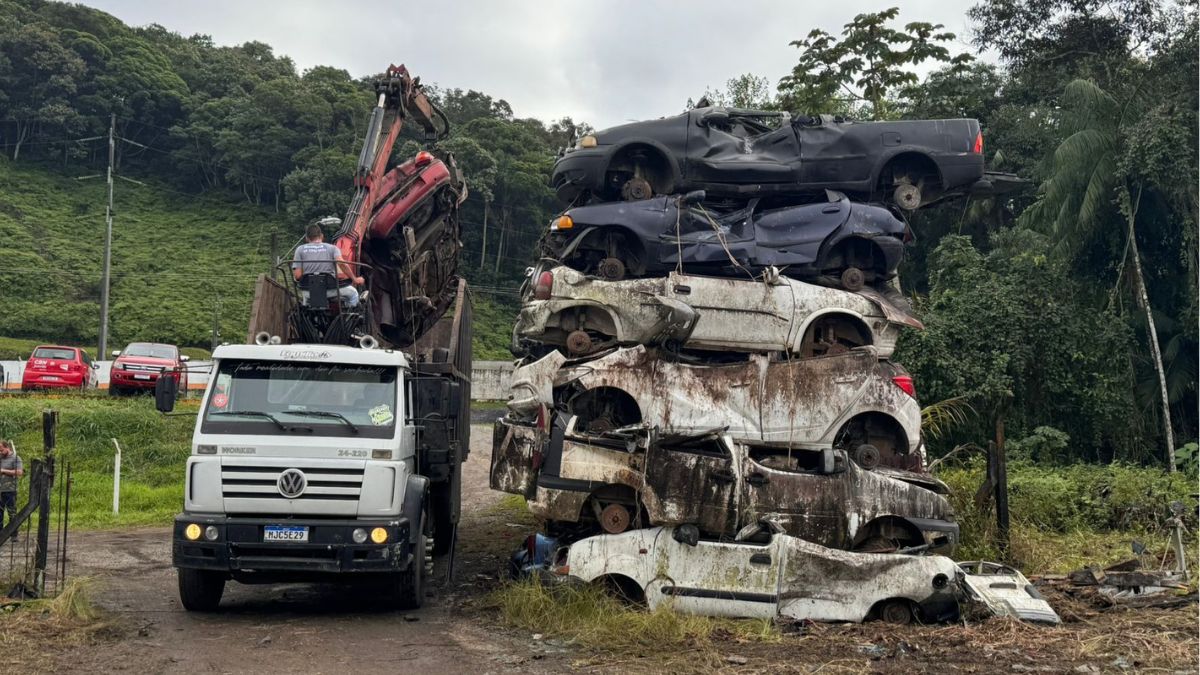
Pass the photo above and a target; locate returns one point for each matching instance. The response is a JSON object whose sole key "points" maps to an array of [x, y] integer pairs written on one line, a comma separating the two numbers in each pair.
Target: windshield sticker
{"points": [[381, 415], [220, 401]]}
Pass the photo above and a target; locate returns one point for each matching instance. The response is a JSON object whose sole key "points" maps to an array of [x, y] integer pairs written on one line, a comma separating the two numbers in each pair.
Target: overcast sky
{"points": [[599, 62]]}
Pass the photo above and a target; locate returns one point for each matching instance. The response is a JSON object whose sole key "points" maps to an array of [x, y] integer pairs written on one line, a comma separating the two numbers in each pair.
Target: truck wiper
{"points": [[255, 413], [326, 413]]}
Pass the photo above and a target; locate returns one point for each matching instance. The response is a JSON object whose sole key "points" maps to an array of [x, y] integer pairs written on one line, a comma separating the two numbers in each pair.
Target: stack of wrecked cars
{"points": [[705, 408]]}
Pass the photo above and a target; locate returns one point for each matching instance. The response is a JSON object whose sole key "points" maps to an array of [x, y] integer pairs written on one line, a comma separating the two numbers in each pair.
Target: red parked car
{"points": [[52, 367], [139, 365]]}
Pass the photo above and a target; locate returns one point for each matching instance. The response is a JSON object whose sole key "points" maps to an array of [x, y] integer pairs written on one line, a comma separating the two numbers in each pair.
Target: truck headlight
{"points": [[192, 532], [211, 533], [359, 535], [588, 141], [379, 535], [206, 449]]}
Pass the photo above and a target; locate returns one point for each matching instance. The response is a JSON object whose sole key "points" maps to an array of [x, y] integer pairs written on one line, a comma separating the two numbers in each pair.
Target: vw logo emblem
{"points": [[291, 483]]}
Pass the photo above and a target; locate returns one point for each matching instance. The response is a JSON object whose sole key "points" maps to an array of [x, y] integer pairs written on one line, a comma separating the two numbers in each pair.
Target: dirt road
{"points": [[303, 627]]}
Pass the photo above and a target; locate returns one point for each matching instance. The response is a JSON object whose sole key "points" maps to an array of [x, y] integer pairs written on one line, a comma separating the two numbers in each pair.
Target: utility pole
{"points": [[108, 218], [216, 327]]}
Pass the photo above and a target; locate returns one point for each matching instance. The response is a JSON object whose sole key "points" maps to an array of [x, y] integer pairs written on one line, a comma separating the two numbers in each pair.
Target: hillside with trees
{"points": [[1068, 310]]}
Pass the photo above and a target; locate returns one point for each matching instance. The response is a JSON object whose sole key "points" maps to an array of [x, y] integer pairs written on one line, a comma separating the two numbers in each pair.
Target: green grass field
{"points": [[177, 259]]}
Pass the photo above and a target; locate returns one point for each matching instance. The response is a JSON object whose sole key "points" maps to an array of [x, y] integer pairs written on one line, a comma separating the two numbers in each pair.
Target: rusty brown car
{"points": [[851, 400], [583, 483]]}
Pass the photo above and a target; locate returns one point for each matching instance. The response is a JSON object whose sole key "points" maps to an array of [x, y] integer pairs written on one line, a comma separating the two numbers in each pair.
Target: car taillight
{"points": [[978, 143], [905, 382], [543, 287], [424, 157]]}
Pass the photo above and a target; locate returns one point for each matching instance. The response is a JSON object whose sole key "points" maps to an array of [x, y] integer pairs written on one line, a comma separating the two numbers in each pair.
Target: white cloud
{"points": [[603, 63]]}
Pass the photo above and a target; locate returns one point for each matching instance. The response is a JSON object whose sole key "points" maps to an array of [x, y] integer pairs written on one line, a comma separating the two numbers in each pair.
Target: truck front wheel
{"points": [[410, 584], [200, 590]]}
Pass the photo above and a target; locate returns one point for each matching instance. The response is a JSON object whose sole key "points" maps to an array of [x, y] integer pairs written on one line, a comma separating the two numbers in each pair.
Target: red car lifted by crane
{"points": [[401, 230]]}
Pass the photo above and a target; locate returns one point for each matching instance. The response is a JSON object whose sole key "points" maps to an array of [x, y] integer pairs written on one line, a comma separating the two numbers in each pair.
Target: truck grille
{"points": [[149, 369], [257, 479]]}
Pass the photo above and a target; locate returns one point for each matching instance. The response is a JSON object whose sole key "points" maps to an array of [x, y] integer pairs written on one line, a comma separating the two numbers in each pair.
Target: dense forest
{"points": [[1050, 309]]}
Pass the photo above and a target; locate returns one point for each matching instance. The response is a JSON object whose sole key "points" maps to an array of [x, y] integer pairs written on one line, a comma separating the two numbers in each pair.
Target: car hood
{"points": [[644, 128], [142, 361], [614, 213]]}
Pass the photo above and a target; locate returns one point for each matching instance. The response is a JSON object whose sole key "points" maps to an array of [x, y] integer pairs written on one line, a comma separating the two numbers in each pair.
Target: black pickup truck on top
{"points": [[744, 153]]}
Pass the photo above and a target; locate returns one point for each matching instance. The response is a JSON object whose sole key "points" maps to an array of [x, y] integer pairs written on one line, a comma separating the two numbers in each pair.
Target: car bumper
{"points": [[132, 380], [940, 535], [960, 172], [239, 546], [52, 381], [579, 171]]}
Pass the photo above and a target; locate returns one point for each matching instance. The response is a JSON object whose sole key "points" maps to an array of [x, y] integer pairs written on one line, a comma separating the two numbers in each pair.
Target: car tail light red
{"points": [[543, 287], [424, 157], [978, 149], [905, 382]]}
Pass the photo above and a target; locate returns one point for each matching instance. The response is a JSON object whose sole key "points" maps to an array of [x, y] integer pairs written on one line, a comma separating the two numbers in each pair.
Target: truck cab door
{"points": [[436, 403], [693, 481]]}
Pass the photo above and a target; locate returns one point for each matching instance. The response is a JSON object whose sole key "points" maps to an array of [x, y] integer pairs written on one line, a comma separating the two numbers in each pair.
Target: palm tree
{"points": [[1077, 199]]}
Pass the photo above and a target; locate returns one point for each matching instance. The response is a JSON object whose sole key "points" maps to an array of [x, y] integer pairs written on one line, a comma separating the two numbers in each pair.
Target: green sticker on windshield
{"points": [[381, 415]]}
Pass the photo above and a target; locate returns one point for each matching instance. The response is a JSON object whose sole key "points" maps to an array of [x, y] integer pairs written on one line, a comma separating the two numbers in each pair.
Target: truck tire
{"points": [[410, 584], [200, 590]]}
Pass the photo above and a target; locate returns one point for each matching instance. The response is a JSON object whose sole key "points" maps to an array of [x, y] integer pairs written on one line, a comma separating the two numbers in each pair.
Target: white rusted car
{"points": [[766, 574], [610, 483], [852, 400], [584, 314]]}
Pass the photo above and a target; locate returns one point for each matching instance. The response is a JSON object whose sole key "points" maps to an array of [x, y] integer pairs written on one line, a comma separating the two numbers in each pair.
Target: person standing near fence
{"points": [[11, 468]]}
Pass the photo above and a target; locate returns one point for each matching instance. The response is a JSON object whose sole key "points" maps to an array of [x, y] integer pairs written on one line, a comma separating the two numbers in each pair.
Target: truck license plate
{"points": [[141, 377], [285, 533]]}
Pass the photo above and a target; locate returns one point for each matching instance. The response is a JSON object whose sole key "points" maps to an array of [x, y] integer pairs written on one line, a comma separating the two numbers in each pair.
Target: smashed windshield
{"points": [[291, 397], [150, 351]]}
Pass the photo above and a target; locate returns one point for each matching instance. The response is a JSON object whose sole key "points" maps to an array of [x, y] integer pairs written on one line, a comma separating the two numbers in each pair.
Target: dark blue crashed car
{"points": [[833, 241]]}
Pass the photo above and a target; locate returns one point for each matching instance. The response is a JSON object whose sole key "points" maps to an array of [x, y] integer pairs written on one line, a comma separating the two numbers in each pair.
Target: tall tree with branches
{"points": [[1091, 187], [869, 63]]}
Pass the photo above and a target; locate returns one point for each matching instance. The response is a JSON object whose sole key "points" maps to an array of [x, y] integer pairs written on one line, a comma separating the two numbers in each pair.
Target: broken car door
{"points": [[794, 235], [733, 314], [726, 146], [806, 397], [795, 489], [718, 578], [693, 481]]}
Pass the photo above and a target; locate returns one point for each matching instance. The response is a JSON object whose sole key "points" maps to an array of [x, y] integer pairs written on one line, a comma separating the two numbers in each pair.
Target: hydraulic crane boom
{"points": [[402, 224]]}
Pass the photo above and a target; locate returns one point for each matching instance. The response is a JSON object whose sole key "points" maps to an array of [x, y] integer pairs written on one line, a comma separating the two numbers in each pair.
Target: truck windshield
{"points": [[348, 400]]}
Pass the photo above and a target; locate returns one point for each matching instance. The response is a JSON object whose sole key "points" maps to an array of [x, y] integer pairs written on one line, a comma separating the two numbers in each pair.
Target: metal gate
{"points": [[33, 541]]}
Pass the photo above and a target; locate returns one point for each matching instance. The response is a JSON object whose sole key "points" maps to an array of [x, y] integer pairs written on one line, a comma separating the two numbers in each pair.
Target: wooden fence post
{"points": [[49, 430]]}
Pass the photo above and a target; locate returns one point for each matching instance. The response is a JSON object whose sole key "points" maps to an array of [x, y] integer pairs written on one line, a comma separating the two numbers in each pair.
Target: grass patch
{"points": [[154, 451], [1064, 518], [590, 617], [35, 633]]}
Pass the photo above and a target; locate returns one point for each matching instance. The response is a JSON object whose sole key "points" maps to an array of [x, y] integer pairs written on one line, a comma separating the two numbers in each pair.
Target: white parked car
{"points": [[851, 400], [765, 574], [584, 314]]}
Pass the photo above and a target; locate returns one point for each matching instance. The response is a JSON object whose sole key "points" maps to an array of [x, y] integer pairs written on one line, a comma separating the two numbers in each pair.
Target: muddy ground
{"points": [[330, 629]]}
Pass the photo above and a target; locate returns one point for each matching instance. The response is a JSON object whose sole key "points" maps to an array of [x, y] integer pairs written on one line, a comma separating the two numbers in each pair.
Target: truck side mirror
{"points": [[165, 391], [116, 352], [833, 461], [185, 358]]}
